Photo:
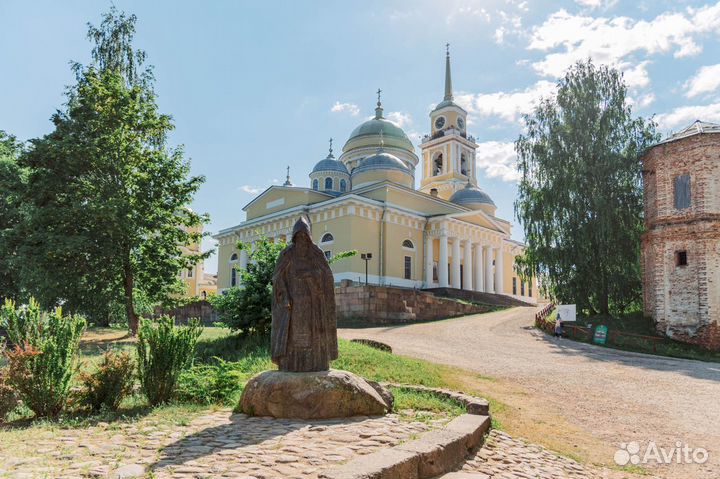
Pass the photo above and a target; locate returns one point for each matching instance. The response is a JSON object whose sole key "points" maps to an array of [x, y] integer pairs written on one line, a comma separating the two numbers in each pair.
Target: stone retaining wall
{"points": [[389, 304]]}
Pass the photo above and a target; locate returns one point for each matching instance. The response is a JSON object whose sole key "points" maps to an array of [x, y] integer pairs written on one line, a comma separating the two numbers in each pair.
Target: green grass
{"points": [[425, 401]]}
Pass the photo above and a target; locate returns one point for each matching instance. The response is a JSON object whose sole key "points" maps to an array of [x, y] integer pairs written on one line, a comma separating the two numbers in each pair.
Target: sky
{"points": [[256, 86]]}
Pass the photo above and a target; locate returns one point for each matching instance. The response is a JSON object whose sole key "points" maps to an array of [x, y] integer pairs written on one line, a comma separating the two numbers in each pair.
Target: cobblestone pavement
{"points": [[219, 444], [504, 457]]}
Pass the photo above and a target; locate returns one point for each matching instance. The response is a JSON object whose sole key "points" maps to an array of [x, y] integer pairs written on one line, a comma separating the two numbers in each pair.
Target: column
{"points": [[243, 259], [467, 265], [455, 280], [443, 263], [499, 269], [428, 260], [478, 267], [488, 269]]}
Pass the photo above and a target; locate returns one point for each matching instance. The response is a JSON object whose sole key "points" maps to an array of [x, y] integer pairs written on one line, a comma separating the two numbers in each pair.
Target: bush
{"points": [[42, 362], [216, 383], [110, 383], [8, 396], [163, 352]]}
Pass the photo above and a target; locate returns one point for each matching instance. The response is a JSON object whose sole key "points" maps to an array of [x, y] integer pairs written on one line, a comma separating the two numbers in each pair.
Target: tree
{"points": [[108, 199], [11, 183], [580, 196], [248, 309]]}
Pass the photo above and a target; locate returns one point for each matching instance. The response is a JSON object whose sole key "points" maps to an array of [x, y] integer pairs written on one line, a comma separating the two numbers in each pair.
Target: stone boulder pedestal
{"points": [[313, 395]]}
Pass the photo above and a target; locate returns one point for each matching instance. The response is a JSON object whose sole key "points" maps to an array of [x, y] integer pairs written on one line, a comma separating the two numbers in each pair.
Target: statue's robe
{"points": [[304, 328]]}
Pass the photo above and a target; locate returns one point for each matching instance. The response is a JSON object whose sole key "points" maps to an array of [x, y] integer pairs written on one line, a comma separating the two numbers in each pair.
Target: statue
{"points": [[304, 328]]}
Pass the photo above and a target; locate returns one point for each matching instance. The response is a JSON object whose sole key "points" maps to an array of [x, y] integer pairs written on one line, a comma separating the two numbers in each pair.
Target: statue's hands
{"points": [[288, 305]]}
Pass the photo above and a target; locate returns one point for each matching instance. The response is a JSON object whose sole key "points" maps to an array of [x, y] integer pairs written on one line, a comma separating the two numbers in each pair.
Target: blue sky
{"points": [[256, 86]]}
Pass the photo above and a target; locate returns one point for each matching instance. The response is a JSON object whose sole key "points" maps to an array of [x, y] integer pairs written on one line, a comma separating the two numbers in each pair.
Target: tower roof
{"points": [[698, 127], [448, 99]]}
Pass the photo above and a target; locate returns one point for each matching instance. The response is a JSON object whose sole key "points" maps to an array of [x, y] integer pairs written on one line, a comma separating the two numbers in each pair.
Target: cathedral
{"points": [[444, 234]]}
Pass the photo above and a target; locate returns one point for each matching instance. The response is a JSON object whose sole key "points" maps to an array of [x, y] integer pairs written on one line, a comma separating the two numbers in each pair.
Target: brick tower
{"points": [[681, 243]]}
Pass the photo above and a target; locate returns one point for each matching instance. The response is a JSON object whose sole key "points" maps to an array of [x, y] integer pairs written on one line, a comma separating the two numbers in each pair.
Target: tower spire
{"points": [[448, 79], [379, 108]]}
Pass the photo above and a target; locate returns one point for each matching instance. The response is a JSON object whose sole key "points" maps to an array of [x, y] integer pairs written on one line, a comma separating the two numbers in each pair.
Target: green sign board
{"points": [[600, 336]]}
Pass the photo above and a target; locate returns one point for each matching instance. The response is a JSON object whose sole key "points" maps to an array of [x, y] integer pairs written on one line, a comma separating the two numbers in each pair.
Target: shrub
{"points": [[216, 383], [163, 352], [110, 383], [43, 360], [8, 396]]}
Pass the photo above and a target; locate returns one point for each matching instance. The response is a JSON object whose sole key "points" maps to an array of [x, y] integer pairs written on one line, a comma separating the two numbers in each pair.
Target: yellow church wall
{"points": [[280, 199], [225, 251]]}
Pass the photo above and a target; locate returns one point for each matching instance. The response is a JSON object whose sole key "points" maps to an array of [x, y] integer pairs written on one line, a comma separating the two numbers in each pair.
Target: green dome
{"points": [[392, 134]]}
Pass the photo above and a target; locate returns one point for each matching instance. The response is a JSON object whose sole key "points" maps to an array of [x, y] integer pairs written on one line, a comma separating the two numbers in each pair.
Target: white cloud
{"points": [[252, 190], [506, 105], [400, 118], [351, 108], [683, 116], [498, 160], [706, 80], [568, 38], [596, 3]]}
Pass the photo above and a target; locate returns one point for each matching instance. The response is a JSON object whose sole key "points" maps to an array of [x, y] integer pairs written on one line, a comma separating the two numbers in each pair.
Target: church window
{"points": [[435, 271], [437, 164], [522, 288], [315, 184], [463, 165], [328, 255], [233, 277], [408, 267], [326, 238], [682, 191], [233, 257], [189, 273], [343, 185], [530, 288], [328, 183], [681, 258], [514, 286], [408, 244]]}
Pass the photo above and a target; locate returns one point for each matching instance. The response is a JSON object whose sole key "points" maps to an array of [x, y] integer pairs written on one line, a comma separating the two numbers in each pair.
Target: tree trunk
{"points": [[129, 304]]}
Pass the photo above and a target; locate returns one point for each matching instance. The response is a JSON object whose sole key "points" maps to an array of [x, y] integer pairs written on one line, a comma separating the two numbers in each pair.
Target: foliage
{"points": [[12, 177], [163, 352], [110, 383], [248, 309], [8, 396], [42, 361], [342, 255], [217, 383], [580, 196], [106, 197]]}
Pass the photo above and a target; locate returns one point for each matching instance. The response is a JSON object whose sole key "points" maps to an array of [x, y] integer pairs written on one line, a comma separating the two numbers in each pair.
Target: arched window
{"points": [[408, 244], [233, 277], [315, 184], [234, 257], [326, 238], [463, 165], [328, 183], [343, 185], [437, 164]]}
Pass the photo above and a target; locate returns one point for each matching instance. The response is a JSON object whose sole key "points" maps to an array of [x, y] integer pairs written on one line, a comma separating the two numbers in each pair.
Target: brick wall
{"points": [[683, 300], [387, 304]]}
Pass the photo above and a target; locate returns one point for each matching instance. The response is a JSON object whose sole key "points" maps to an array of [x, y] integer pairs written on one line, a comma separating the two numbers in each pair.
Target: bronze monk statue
{"points": [[304, 328]]}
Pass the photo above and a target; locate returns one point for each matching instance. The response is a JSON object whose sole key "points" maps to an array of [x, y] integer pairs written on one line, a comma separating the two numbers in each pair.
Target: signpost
{"points": [[566, 312], [600, 336]]}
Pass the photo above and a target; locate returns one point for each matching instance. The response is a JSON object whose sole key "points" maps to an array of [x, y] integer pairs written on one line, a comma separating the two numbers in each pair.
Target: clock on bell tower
{"points": [[448, 153]]}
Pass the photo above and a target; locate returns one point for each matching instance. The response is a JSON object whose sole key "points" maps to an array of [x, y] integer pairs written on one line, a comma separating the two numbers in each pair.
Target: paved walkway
{"points": [[610, 397]]}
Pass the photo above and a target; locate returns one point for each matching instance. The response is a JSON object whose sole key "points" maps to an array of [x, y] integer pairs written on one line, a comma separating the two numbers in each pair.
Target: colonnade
{"points": [[478, 271]]}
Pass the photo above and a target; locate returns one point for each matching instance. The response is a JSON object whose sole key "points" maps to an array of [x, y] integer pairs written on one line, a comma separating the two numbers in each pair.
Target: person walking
{"points": [[558, 327]]}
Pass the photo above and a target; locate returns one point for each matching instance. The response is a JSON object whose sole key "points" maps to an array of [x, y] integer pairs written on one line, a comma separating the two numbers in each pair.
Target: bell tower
{"points": [[448, 153]]}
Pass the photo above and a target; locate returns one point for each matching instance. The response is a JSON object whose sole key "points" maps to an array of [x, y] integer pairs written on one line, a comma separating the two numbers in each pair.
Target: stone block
{"points": [[383, 464], [473, 427], [439, 451]]}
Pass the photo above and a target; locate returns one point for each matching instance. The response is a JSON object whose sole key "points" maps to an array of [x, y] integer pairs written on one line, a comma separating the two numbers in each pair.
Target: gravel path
{"points": [[612, 396]]}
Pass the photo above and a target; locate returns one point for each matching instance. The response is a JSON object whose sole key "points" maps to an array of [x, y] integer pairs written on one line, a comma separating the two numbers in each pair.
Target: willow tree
{"points": [[107, 197], [580, 196]]}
